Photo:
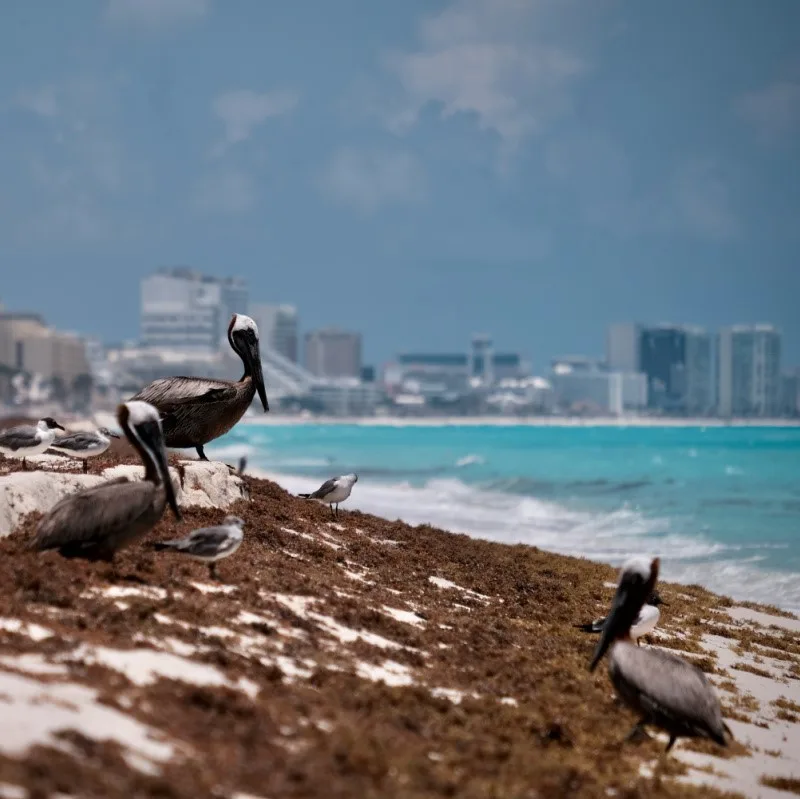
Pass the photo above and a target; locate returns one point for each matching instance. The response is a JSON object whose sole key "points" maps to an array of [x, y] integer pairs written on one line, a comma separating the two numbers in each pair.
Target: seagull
{"points": [[96, 523], [334, 491], [196, 410], [27, 439], [84, 445], [645, 622], [208, 544], [665, 691]]}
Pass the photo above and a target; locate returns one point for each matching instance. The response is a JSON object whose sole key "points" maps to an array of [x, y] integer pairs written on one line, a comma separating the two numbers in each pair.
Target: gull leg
{"points": [[24, 466], [86, 466], [331, 507], [212, 570], [201, 452], [672, 739], [637, 733]]}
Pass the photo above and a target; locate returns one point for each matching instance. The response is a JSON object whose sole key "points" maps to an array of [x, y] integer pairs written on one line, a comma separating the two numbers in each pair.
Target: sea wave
{"points": [[607, 536]]}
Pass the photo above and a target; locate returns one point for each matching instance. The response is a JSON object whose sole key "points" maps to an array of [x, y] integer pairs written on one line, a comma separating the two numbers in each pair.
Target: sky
{"points": [[418, 171]]}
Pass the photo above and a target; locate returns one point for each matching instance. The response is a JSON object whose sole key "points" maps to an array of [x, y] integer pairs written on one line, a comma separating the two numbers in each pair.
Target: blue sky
{"points": [[415, 170]]}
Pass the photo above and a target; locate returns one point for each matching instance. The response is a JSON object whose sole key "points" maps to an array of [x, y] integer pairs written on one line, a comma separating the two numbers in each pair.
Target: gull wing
{"points": [[76, 441], [206, 541], [18, 437], [324, 489]]}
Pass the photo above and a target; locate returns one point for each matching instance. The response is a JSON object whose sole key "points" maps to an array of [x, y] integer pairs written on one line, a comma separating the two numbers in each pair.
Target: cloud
{"points": [[155, 13], [367, 180], [500, 61], [74, 164], [229, 192], [243, 110], [773, 111], [41, 102], [691, 197]]}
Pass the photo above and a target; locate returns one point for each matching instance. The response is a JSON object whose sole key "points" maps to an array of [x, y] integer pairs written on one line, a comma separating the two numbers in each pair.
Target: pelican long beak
{"points": [[152, 437], [253, 355], [624, 609]]}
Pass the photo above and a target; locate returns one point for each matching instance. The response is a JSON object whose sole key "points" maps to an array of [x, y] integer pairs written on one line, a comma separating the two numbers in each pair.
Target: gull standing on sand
{"points": [[84, 445], [663, 689], [96, 523], [196, 410], [334, 491], [644, 623], [27, 439], [208, 544]]}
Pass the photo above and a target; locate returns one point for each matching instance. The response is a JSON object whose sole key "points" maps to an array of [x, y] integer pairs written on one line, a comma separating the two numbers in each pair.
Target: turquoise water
{"points": [[720, 505]]}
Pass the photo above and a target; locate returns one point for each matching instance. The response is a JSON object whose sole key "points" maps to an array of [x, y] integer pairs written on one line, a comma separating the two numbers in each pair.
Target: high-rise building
{"points": [[623, 347], [331, 352], [277, 328], [182, 309], [234, 298], [749, 371], [790, 393], [482, 358], [678, 362]]}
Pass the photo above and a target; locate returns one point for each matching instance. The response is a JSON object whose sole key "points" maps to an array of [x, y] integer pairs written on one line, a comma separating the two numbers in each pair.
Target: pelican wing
{"points": [[668, 687], [95, 514], [18, 437], [170, 393]]}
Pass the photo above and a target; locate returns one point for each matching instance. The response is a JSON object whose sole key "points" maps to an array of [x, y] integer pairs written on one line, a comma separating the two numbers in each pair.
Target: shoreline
{"points": [[362, 657], [268, 420], [293, 483]]}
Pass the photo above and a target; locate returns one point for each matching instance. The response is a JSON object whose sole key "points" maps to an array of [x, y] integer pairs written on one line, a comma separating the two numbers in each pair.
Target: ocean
{"points": [[719, 505]]}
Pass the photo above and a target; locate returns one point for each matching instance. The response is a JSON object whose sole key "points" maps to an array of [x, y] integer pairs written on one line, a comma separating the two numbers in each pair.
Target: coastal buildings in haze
{"points": [[331, 352], [586, 385], [749, 371], [278, 328], [185, 310]]}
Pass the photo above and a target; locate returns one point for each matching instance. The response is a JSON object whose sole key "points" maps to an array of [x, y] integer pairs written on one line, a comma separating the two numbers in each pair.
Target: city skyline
{"points": [[344, 159]]}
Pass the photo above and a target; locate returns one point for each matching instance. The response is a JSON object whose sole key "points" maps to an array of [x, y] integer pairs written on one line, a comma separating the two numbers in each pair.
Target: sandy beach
{"points": [[360, 657]]}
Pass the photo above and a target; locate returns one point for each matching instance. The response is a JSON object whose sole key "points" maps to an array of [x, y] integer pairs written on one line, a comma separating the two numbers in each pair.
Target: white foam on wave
{"points": [[607, 536], [471, 460]]}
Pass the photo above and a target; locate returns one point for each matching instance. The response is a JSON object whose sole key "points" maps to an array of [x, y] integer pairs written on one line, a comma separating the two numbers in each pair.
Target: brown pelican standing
{"points": [[663, 689], [84, 444], [95, 523], [196, 410], [28, 439]]}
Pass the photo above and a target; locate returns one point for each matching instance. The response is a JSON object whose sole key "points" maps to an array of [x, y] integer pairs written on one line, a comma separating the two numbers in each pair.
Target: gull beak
{"points": [[60, 427], [112, 434]]}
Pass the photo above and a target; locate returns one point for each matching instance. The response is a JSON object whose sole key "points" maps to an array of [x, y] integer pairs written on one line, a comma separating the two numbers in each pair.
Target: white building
{"points": [[182, 309], [581, 382], [277, 327], [345, 396], [331, 352], [749, 371]]}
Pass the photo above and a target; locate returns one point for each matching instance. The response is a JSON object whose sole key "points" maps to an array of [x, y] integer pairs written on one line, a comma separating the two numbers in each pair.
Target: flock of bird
{"points": [[664, 690]]}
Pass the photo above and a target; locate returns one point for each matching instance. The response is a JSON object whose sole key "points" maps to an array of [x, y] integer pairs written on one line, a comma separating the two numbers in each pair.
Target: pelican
{"points": [[644, 623], [334, 491], [84, 445], [28, 439], [665, 691], [208, 544], [95, 523], [196, 410]]}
